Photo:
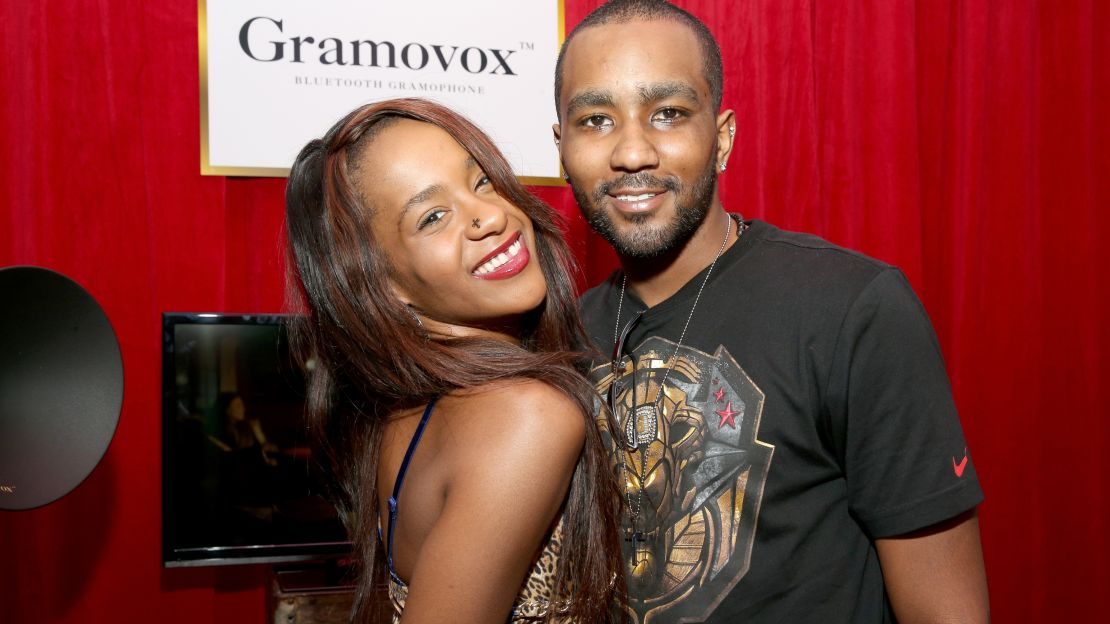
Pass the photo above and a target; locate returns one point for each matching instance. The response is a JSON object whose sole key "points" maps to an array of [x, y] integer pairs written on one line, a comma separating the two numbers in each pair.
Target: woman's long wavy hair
{"points": [[369, 357]]}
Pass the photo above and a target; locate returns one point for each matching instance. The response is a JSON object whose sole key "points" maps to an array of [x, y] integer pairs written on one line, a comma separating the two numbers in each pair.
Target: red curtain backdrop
{"points": [[967, 142]]}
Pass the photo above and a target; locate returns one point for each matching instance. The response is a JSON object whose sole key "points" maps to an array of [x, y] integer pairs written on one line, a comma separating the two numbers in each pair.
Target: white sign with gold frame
{"points": [[275, 74]]}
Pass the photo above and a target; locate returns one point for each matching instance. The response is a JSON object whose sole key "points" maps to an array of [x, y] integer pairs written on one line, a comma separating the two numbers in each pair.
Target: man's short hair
{"points": [[623, 11]]}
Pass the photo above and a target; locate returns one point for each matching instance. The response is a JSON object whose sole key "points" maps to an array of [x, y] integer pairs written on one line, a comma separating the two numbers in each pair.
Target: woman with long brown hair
{"points": [[445, 392]]}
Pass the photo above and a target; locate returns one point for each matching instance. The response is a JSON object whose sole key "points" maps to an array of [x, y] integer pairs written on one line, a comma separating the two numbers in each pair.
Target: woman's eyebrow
{"points": [[422, 196], [430, 191]]}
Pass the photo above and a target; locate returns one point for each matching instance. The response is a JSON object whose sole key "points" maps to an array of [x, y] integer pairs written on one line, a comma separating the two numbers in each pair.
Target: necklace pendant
{"points": [[642, 426]]}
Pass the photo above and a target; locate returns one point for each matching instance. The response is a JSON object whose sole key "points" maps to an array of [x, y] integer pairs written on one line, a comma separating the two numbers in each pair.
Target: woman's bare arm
{"points": [[511, 453]]}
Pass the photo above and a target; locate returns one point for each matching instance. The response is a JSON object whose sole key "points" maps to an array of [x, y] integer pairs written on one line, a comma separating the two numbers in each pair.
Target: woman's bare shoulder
{"points": [[524, 392], [525, 412], [507, 452]]}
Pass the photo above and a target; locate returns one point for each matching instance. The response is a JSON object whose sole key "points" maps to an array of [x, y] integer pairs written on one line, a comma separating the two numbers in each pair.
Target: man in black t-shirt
{"points": [[785, 431]]}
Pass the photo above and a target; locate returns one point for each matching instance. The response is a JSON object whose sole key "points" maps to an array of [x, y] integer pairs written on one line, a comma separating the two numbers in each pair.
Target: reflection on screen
{"points": [[239, 477]]}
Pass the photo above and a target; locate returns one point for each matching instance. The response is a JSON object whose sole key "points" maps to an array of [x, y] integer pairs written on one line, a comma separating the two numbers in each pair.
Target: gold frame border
{"points": [[206, 168]]}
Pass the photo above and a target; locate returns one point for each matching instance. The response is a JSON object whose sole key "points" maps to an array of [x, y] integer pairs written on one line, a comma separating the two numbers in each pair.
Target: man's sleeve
{"points": [[905, 459]]}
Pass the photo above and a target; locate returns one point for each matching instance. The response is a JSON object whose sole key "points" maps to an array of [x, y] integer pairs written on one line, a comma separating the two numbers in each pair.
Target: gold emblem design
{"points": [[702, 471]]}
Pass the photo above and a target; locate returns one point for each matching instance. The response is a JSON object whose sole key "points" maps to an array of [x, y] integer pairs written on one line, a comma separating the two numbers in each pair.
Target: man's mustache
{"points": [[640, 180]]}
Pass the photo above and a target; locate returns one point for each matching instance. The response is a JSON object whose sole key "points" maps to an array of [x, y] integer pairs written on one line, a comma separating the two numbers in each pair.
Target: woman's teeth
{"points": [[493, 263]]}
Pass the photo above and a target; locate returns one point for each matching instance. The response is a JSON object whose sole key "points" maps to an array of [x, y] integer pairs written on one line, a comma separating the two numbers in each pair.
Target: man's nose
{"points": [[634, 149]]}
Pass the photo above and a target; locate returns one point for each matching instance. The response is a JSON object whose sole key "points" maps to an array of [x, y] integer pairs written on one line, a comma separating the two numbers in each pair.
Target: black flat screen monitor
{"points": [[239, 484]]}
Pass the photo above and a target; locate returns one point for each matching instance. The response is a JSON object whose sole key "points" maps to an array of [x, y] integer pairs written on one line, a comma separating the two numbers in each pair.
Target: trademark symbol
{"points": [[527, 45]]}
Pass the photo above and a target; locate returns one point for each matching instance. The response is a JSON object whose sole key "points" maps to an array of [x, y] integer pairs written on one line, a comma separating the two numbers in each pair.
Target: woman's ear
{"points": [[400, 292]]}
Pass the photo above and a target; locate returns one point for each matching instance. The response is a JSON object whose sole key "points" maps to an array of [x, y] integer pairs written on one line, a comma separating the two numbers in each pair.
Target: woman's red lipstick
{"points": [[506, 261]]}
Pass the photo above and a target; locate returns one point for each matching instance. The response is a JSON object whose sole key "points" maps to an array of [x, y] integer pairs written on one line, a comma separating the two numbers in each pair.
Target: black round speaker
{"points": [[61, 386]]}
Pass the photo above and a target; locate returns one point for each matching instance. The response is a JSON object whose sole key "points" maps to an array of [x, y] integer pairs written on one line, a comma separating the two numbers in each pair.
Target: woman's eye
{"points": [[431, 218], [595, 121], [483, 181]]}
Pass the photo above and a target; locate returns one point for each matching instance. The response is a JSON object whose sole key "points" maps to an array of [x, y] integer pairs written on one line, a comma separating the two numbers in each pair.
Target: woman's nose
{"points": [[485, 217]]}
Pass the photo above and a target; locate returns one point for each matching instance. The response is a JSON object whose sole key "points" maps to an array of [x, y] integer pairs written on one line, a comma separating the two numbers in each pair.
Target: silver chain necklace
{"points": [[632, 437]]}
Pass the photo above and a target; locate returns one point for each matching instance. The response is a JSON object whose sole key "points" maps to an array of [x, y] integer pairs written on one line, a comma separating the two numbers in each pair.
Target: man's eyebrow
{"points": [[663, 90], [648, 94], [588, 98]]}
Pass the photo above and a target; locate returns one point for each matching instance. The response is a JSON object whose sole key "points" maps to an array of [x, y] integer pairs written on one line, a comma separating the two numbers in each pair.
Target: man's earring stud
{"points": [[731, 132]]}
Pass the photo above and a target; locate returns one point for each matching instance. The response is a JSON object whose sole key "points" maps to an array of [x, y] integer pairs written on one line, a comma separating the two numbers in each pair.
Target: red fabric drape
{"points": [[967, 142]]}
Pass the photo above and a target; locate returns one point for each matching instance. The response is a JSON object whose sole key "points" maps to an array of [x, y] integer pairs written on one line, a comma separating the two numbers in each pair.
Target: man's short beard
{"points": [[643, 242]]}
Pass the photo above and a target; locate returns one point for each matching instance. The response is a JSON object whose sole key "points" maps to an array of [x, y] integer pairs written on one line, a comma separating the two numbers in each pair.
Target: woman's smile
{"points": [[506, 261]]}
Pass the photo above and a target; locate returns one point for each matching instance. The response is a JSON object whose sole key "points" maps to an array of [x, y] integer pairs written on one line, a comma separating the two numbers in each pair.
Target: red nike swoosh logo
{"points": [[959, 468]]}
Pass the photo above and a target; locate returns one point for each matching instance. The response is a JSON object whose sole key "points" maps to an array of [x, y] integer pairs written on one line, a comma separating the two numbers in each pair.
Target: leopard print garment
{"points": [[533, 603]]}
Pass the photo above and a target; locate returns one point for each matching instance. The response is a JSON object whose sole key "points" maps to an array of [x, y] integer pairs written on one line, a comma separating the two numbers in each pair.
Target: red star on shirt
{"points": [[726, 416], [719, 394]]}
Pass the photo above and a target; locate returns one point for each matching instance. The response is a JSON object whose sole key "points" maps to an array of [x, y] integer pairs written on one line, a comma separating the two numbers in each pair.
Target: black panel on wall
{"points": [[61, 386]]}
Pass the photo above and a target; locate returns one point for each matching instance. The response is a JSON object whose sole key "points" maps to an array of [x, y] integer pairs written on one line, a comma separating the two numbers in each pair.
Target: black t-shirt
{"points": [[808, 413]]}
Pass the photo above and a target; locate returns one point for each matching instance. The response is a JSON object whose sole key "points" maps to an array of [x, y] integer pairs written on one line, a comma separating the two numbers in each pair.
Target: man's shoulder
{"points": [[596, 299], [811, 248], [808, 264]]}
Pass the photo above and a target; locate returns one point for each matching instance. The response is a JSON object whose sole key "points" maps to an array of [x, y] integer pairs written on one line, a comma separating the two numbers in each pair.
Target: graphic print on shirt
{"points": [[702, 469]]}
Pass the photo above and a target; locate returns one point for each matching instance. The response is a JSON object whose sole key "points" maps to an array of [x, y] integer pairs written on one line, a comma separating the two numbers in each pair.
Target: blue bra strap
{"points": [[400, 479]]}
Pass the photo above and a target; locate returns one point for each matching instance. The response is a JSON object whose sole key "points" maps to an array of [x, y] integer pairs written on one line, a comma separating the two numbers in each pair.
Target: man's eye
{"points": [[667, 115], [596, 121], [431, 218]]}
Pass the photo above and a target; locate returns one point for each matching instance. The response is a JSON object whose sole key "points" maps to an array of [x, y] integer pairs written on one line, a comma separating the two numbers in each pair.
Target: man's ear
{"points": [[726, 134], [557, 134]]}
